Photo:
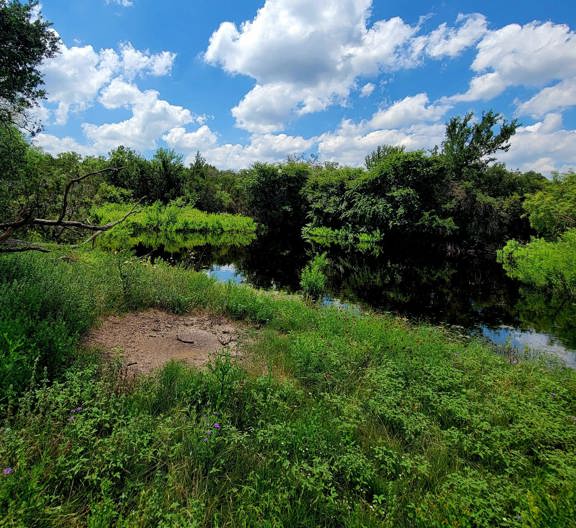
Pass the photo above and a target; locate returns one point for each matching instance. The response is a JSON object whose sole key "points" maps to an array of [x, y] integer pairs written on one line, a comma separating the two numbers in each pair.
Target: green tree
{"points": [[552, 210], [380, 153], [26, 39], [471, 146], [275, 194]]}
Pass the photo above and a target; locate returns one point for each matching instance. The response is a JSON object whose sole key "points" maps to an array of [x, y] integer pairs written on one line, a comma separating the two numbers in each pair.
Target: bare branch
{"points": [[12, 245], [109, 226], [8, 245], [74, 181]]}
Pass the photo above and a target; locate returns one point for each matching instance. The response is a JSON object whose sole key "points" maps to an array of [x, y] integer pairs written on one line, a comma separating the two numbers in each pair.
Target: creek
{"points": [[470, 294]]}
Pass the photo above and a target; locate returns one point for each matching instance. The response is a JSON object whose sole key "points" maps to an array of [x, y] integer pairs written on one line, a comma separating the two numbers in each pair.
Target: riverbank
{"points": [[338, 419]]}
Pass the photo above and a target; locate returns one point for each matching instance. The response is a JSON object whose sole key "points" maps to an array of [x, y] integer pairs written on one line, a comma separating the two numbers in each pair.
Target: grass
{"points": [[341, 420], [166, 224]]}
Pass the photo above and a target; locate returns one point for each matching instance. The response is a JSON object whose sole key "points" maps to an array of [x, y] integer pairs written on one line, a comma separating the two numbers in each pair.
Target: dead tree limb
{"points": [[11, 245]]}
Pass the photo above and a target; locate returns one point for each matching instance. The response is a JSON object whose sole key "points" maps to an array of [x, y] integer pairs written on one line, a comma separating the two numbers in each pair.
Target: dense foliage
{"points": [[25, 41], [548, 263], [552, 210], [454, 195], [400, 195], [359, 421], [543, 264]]}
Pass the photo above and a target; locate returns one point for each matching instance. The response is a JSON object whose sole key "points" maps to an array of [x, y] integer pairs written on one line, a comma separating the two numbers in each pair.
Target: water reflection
{"points": [[227, 273], [419, 283], [530, 340]]}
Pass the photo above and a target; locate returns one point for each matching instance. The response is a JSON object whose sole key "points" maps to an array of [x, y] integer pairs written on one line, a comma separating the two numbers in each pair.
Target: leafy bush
{"points": [[313, 279], [543, 264]]}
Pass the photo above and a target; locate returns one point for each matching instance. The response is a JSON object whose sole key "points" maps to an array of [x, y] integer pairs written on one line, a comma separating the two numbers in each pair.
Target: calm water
{"points": [[470, 293]]}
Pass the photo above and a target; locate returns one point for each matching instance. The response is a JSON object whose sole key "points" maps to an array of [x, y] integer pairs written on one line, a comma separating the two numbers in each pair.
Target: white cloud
{"points": [[531, 55], [450, 42], [262, 147], [349, 146], [136, 62], [544, 147], [75, 76], [306, 55], [412, 122], [55, 145], [123, 3], [201, 139], [409, 111], [558, 97], [367, 90], [151, 118]]}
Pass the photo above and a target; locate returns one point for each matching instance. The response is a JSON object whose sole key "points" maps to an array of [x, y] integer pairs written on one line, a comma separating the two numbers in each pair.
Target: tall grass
{"points": [[338, 419]]}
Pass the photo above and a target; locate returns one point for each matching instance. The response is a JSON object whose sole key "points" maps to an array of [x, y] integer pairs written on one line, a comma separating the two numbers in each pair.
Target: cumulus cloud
{"points": [[151, 118], [412, 122], [448, 41], [349, 145], [201, 139], [75, 76], [262, 147], [409, 111], [531, 55], [545, 146], [305, 56], [558, 97]]}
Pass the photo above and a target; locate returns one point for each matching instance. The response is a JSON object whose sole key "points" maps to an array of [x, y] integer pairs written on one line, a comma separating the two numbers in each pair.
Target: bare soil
{"points": [[147, 340]]}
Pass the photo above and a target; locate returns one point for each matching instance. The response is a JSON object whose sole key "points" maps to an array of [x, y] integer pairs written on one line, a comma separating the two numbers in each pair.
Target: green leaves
{"points": [[24, 43], [543, 264]]}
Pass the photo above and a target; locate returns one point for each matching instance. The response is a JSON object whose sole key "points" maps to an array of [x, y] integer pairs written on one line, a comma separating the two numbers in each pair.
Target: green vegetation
{"points": [[332, 417], [313, 277], [548, 264], [553, 209], [360, 420], [172, 226], [25, 41], [543, 264]]}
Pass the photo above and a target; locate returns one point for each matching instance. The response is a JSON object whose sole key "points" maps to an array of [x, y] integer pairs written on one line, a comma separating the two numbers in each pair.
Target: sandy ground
{"points": [[147, 340]]}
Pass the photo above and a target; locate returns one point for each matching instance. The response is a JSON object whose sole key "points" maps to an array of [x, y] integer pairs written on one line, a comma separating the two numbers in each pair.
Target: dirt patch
{"points": [[147, 340]]}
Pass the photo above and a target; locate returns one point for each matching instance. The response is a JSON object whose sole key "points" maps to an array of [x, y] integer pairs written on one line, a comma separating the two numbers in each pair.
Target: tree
{"points": [[275, 195], [552, 210], [26, 40], [380, 153], [469, 145]]}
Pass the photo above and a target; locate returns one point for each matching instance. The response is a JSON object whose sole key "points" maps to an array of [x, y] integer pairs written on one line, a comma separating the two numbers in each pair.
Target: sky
{"points": [[246, 81]]}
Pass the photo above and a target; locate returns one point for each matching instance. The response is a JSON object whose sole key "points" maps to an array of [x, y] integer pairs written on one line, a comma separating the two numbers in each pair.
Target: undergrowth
{"points": [[343, 420]]}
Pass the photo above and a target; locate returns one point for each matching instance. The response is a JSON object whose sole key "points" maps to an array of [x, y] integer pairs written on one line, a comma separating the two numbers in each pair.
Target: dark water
{"points": [[471, 293]]}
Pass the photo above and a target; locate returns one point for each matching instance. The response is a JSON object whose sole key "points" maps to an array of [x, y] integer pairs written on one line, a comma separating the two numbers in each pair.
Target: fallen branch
{"points": [[10, 245], [13, 245]]}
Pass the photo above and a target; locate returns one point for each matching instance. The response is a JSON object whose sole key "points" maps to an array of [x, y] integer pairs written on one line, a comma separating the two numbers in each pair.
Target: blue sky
{"points": [[260, 80]]}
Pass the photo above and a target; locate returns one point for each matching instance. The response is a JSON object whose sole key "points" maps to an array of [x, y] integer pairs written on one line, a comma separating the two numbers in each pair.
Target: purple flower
{"points": [[217, 426], [7, 471], [77, 410]]}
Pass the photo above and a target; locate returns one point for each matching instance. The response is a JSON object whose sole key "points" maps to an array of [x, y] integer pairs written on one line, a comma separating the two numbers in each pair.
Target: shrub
{"points": [[313, 279]]}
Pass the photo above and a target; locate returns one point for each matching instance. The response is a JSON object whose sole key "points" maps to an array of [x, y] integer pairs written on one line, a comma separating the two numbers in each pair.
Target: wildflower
{"points": [[77, 410], [217, 426], [8, 471]]}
